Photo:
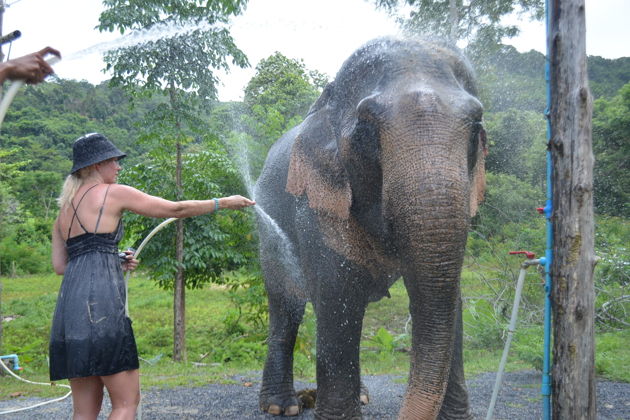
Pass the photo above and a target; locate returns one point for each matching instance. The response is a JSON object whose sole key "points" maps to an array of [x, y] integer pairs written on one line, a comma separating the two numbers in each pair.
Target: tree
{"points": [[181, 67], [479, 22], [573, 294], [276, 99]]}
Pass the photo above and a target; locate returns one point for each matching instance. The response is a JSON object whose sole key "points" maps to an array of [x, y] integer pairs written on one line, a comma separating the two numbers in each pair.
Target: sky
{"points": [[323, 33]]}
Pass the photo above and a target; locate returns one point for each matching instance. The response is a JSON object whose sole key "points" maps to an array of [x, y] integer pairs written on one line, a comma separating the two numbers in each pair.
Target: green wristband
{"points": [[216, 204]]}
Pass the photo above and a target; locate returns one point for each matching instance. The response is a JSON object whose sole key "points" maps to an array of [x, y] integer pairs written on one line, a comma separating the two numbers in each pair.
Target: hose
{"points": [[137, 253], [15, 410], [508, 341]]}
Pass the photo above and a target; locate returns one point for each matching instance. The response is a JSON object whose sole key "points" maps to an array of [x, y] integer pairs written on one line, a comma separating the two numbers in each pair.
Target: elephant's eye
{"points": [[481, 135], [477, 136]]}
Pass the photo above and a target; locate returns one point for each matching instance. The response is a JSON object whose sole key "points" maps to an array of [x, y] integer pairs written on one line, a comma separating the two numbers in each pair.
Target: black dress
{"points": [[91, 334]]}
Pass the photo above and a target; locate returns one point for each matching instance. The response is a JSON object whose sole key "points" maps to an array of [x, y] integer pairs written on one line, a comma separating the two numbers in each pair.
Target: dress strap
{"points": [[100, 211], [75, 216]]}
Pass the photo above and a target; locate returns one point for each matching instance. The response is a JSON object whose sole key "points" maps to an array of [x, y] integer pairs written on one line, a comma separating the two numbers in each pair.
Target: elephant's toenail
{"points": [[274, 410], [292, 411]]}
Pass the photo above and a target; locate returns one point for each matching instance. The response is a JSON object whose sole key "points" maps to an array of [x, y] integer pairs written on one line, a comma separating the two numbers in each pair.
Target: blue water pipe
{"points": [[548, 258], [14, 359]]}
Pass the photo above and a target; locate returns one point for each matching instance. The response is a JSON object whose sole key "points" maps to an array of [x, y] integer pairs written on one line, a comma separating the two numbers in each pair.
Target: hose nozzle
{"points": [[10, 37]]}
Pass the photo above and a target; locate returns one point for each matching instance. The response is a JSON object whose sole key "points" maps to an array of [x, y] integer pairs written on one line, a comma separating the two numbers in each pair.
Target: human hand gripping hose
{"points": [[13, 90]]}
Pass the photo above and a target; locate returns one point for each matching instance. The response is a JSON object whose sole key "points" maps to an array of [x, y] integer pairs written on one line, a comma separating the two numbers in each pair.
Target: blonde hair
{"points": [[71, 185]]}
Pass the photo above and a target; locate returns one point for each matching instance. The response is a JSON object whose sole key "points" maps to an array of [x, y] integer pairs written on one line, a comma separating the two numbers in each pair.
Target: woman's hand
{"points": [[130, 262], [235, 202]]}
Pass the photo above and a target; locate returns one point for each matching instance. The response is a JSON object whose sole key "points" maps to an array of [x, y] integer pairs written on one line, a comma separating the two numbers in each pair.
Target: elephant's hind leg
{"points": [[277, 394]]}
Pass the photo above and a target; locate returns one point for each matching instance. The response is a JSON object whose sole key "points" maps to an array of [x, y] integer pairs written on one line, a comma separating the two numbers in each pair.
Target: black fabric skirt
{"points": [[91, 334]]}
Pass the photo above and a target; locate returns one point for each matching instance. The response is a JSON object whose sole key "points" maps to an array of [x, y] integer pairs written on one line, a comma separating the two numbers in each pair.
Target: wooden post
{"points": [[573, 374]]}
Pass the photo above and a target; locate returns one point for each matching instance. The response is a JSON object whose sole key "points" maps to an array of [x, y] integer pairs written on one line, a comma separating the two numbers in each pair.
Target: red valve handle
{"points": [[529, 255]]}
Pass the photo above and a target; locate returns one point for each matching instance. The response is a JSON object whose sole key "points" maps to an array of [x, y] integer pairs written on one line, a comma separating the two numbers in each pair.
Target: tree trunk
{"points": [[573, 374], [179, 292]]}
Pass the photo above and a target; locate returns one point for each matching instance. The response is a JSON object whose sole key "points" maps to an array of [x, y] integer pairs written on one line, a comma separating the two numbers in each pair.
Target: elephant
{"points": [[378, 182]]}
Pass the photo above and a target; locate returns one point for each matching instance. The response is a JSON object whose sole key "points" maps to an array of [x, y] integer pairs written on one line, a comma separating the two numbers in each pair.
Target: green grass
{"points": [[220, 344]]}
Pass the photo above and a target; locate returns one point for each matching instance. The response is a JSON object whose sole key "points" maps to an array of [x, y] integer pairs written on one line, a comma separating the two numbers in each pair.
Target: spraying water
{"points": [[240, 155], [155, 33]]}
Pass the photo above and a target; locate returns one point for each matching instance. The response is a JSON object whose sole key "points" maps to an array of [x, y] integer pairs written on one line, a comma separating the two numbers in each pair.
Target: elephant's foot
{"points": [[336, 408], [280, 405]]}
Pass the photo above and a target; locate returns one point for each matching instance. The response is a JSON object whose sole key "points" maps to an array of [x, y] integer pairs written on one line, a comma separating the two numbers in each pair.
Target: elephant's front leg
{"points": [[277, 394], [339, 321]]}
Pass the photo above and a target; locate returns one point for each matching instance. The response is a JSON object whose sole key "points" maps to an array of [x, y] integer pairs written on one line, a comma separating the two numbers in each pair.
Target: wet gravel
{"points": [[519, 399]]}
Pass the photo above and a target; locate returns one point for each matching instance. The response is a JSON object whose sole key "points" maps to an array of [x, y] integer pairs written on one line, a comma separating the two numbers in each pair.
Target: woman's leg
{"points": [[124, 392], [87, 397]]}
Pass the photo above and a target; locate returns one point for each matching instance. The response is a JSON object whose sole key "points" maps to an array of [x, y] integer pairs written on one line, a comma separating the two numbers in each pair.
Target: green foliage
{"points": [[612, 273], [611, 146], [517, 145], [305, 350], [528, 345], [613, 355], [508, 79], [247, 293], [37, 191], [481, 323], [24, 240], [606, 76], [612, 236], [509, 203], [385, 342]]}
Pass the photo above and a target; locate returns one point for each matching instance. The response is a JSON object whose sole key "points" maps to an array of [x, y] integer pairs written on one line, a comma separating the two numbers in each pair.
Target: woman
{"points": [[92, 342]]}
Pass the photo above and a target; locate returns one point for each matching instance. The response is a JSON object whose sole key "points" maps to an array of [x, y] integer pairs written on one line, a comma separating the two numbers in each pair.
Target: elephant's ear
{"points": [[316, 170], [478, 182]]}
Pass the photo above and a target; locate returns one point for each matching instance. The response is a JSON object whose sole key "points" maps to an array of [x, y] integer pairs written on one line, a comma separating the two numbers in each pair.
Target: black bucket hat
{"points": [[93, 148]]}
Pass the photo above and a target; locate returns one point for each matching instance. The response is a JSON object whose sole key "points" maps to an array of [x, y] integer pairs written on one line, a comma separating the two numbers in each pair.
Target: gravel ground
{"points": [[519, 399]]}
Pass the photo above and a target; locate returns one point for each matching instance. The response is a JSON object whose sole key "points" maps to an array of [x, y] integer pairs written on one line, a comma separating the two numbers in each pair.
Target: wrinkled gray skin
{"points": [[378, 182]]}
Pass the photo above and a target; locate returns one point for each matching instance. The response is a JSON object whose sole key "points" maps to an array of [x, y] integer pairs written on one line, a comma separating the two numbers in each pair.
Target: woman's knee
{"points": [[123, 389]]}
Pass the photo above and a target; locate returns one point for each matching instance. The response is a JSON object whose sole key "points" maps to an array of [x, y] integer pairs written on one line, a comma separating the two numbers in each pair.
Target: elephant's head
{"points": [[395, 146], [396, 137]]}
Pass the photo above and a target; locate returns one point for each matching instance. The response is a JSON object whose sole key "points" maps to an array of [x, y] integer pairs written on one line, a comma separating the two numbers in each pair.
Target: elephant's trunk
{"points": [[428, 210]]}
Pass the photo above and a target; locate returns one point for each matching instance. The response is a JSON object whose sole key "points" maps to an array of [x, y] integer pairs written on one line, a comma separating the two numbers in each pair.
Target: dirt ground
{"points": [[519, 399]]}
